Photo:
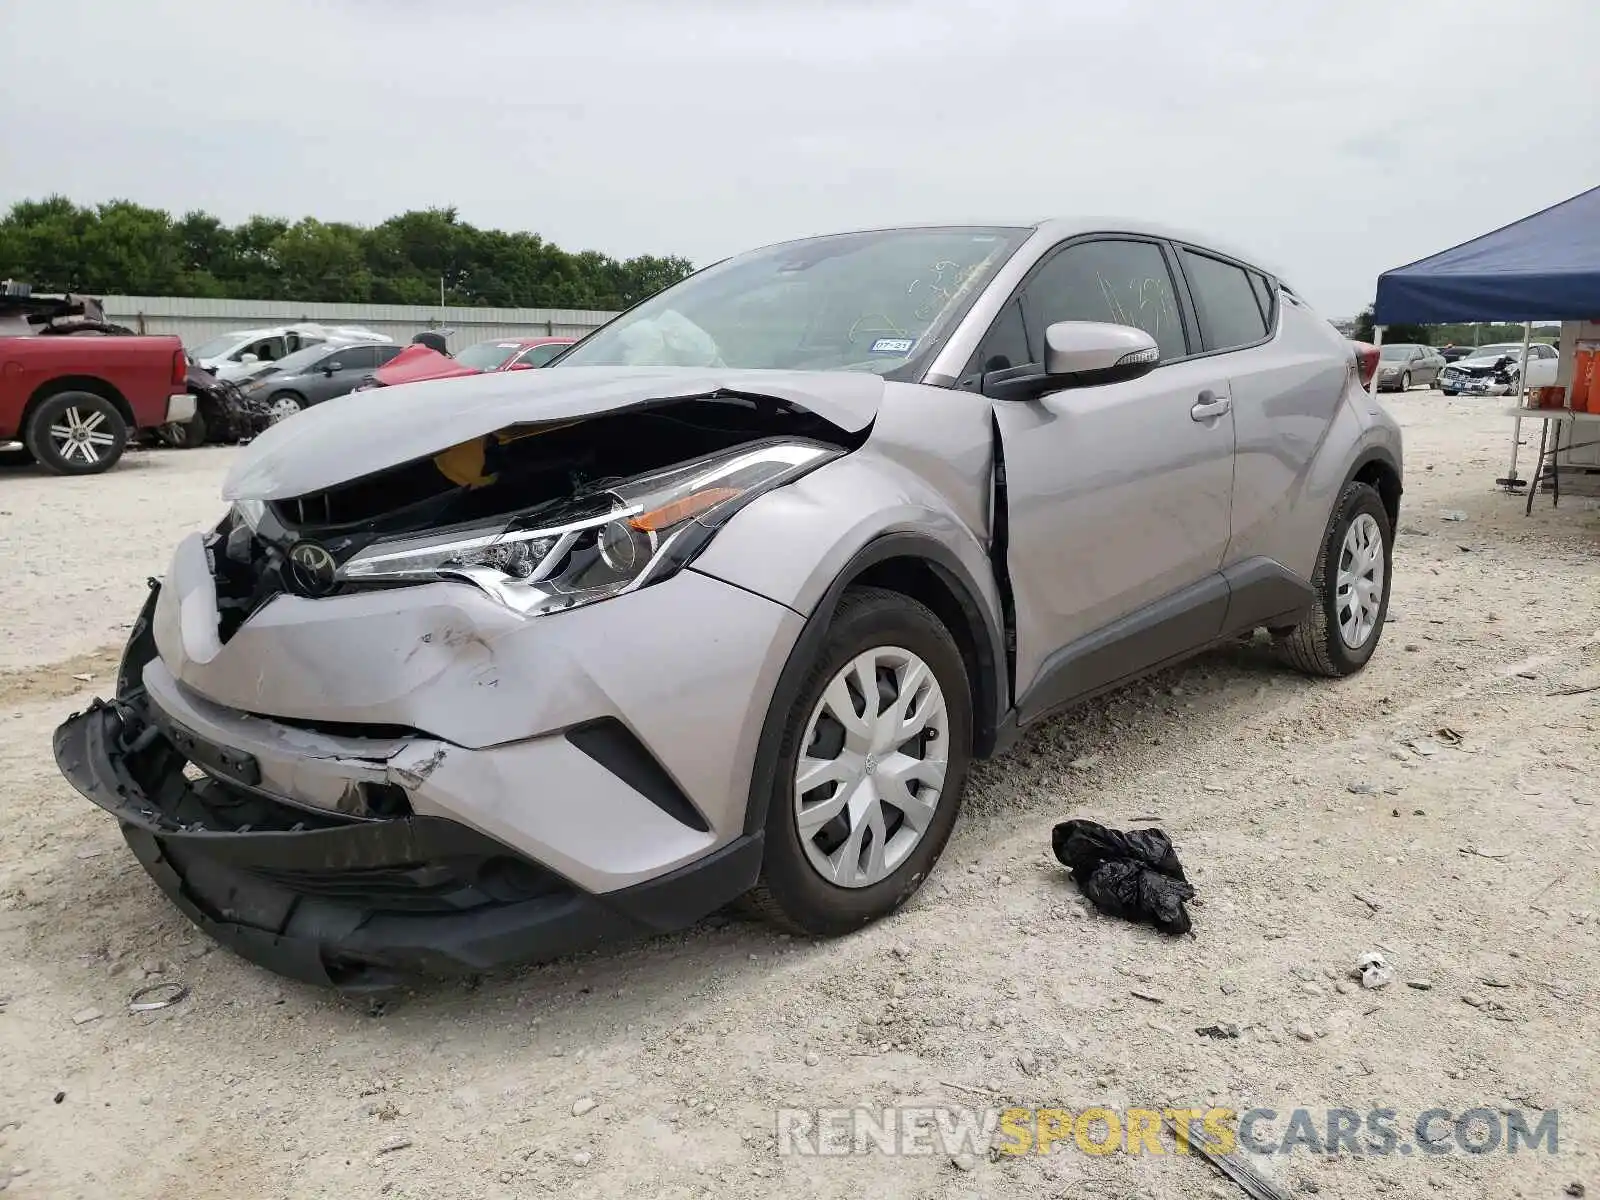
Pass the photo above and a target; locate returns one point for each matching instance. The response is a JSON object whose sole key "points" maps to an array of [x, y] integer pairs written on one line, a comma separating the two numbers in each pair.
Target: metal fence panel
{"points": [[195, 319]]}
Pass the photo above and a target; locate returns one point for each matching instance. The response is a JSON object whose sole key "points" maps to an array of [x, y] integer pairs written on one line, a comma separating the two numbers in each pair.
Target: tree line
{"points": [[1466, 334], [122, 248]]}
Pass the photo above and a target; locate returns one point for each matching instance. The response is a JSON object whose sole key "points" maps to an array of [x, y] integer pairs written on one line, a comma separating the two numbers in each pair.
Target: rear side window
{"points": [[385, 353], [1226, 301], [1123, 282]]}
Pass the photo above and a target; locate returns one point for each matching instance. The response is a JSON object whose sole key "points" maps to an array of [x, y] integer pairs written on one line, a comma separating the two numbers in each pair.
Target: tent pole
{"points": [[1377, 340], [1516, 427]]}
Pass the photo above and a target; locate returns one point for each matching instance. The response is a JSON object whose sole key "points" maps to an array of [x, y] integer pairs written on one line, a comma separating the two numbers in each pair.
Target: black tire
{"points": [[1316, 646], [186, 435], [1448, 392], [64, 456], [791, 892], [277, 397], [1405, 382]]}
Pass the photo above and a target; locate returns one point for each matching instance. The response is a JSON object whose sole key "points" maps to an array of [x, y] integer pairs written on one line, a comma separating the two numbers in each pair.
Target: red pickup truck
{"points": [[72, 401]]}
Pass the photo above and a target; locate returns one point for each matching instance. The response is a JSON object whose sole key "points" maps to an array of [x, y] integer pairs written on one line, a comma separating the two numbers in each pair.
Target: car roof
{"points": [[1056, 229]]}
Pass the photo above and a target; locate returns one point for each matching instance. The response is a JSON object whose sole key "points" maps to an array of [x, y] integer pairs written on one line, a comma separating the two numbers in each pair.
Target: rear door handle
{"points": [[1210, 405]]}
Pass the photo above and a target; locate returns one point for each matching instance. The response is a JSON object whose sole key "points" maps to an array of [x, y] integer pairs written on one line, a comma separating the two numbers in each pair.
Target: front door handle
{"points": [[1210, 406]]}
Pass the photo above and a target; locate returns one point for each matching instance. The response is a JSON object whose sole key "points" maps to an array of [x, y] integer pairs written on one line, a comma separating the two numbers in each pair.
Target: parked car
{"points": [[1451, 353], [235, 355], [75, 390], [728, 599], [1492, 370], [1402, 364], [315, 374], [416, 363]]}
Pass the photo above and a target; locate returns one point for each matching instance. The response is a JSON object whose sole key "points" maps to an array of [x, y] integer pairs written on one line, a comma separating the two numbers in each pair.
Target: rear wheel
{"points": [[1351, 582], [871, 770], [76, 433]]}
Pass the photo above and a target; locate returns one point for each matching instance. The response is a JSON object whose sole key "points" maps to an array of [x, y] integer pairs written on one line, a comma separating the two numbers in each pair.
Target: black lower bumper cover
{"points": [[339, 905]]}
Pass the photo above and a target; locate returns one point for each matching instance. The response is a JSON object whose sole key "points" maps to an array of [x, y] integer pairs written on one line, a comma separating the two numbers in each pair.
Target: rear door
{"points": [[1287, 370], [1117, 496]]}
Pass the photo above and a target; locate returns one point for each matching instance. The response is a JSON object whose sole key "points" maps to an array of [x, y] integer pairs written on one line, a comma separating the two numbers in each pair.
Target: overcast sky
{"points": [[1332, 140]]}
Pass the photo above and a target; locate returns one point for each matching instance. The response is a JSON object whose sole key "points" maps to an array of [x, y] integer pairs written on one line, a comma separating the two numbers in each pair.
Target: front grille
{"points": [[447, 885]]}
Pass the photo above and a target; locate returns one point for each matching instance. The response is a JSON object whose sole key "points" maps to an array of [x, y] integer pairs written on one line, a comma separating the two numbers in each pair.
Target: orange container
{"points": [[1585, 395], [1549, 397]]}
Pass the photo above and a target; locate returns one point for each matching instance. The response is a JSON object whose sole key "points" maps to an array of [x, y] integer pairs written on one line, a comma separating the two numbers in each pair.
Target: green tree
{"points": [[1365, 330]]}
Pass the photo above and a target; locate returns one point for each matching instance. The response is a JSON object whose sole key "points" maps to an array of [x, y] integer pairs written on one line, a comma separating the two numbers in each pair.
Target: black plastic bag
{"points": [[1133, 875]]}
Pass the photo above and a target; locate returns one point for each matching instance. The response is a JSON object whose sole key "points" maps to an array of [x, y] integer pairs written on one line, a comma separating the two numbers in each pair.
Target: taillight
{"points": [[1366, 363], [180, 368]]}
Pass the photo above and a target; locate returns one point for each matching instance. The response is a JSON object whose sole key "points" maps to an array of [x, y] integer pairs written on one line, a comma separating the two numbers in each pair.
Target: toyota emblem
{"points": [[313, 568]]}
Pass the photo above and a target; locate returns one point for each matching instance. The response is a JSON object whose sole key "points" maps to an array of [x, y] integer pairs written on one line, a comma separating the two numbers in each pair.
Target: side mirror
{"points": [[1085, 353], [247, 357], [332, 367]]}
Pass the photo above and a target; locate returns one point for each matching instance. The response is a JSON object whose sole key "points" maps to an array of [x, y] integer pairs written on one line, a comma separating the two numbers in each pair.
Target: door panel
{"points": [[1117, 496]]}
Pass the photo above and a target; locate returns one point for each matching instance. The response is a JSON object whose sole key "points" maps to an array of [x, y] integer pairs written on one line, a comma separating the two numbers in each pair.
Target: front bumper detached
{"points": [[362, 905]]}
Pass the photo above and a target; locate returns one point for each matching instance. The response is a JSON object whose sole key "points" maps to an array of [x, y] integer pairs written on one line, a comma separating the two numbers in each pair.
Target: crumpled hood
{"points": [[1487, 361], [369, 431], [416, 363]]}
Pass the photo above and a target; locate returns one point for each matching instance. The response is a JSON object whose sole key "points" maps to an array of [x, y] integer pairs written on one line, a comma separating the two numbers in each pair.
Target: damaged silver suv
{"points": [[723, 604]]}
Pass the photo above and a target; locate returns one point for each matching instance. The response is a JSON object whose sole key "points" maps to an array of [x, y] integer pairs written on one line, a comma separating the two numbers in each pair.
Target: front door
{"points": [[1118, 496]]}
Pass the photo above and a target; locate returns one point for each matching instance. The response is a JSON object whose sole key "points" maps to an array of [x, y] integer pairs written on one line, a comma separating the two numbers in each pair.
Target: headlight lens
{"points": [[615, 539]]}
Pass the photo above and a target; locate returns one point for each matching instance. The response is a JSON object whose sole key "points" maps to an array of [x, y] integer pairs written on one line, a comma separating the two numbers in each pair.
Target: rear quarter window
{"points": [[1227, 302]]}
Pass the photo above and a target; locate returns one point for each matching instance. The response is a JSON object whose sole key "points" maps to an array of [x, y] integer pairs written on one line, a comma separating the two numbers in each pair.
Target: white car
{"points": [[1476, 373], [235, 356]]}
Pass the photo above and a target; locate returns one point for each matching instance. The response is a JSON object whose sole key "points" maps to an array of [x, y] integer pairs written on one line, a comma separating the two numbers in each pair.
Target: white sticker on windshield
{"points": [[893, 345]]}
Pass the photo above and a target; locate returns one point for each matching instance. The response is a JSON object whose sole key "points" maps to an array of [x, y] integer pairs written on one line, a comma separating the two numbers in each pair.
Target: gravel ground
{"points": [[1439, 806]]}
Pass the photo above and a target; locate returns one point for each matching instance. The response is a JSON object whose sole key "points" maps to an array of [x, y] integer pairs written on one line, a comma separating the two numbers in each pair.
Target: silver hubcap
{"points": [[1360, 581], [872, 769], [81, 435], [283, 408]]}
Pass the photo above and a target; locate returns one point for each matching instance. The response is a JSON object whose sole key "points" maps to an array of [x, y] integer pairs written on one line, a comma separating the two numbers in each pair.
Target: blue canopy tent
{"points": [[1545, 267], [1542, 268]]}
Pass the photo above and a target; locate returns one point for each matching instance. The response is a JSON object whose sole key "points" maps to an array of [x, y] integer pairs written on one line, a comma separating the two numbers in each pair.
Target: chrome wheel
{"points": [[81, 435], [1360, 581], [872, 768], [282, 408]]}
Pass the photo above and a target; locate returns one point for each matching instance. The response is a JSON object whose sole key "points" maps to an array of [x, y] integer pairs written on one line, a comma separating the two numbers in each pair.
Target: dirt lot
{"points": [[1439, 806]]}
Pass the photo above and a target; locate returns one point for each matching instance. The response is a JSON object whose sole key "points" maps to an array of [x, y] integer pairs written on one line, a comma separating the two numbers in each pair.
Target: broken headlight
{"points": [[614, 539]]}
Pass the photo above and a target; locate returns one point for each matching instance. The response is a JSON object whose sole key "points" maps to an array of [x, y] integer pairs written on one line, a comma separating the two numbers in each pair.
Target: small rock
{"points": [[1308, 1185], [393, 1144], [964, 1162], [1575, 1189], [1422, 985], [1028, 1063], [506, 1176], [86, 1015], [1005, 881], [1417, 812], [1221, 1030], [1494, 981], [1086, 763], [1412, 648], [1305, 1033], [582, 1158], [1229, 988], [1453, 514], [84, 678], [587, 1105], [812, 1058], [1311, 989], [1363, 789], [1475, 1000], [897, 990], [1344, 987]]}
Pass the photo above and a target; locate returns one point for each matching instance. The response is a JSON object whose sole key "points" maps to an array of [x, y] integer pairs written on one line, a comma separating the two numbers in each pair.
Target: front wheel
{"points": [[1351, 583], [185, 435], [283, 406], [76, 433], [871, 769], [1405, 382]]}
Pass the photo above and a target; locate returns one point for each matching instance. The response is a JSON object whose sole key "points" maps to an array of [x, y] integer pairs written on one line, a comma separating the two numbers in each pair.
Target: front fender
{"points": [[790, 546]]}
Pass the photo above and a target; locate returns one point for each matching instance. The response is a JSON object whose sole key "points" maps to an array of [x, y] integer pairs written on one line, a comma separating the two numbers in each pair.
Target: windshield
{"points": [[217, 346], [487, 356], [850, 302], [1497, 351], [1397, 350]]}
